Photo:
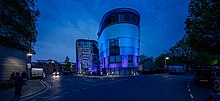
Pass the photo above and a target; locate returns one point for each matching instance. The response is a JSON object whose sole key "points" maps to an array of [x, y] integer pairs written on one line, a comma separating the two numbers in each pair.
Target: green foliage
{"points": [[67, 62], [201, 43], [181, 53], [160, 60], [203, 26], [18, 23]]}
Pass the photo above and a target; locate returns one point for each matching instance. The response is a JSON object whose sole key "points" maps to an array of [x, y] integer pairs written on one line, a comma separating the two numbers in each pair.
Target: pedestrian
{"points": [[12, 76], [18, 84], [24, 77]]}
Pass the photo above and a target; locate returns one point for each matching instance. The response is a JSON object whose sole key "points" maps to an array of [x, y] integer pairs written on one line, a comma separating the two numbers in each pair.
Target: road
{"points": [[155, 87]]}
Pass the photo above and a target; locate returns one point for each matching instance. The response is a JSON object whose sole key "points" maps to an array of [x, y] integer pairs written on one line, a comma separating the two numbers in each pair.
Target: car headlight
{"points": [[54, 73]]}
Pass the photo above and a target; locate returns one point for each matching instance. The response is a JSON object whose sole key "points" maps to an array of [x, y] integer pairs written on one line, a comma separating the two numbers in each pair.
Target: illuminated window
{"points": [[114, 47], [118, 58], [113, 59]]}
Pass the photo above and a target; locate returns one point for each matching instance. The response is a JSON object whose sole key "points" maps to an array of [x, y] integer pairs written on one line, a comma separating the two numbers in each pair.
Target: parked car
{"points": [[204, 74]]}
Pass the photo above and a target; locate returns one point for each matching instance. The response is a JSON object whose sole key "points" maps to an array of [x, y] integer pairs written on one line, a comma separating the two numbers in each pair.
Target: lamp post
{"points": [[29, 54], [166, 58], [28, 65]]}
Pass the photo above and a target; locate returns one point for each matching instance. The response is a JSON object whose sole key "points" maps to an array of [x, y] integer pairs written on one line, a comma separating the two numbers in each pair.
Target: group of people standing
{"points": [[19, 80]]}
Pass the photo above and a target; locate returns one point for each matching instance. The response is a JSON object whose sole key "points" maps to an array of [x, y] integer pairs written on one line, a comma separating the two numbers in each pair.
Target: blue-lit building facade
{"points": [[87, 60], [119, 42]]}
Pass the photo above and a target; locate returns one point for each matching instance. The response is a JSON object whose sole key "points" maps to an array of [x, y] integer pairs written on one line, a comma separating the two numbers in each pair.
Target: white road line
{"points": [[90, 80], [32, 93], [189, 90], [47, 88], [191, 96], [65, 93], [75, 90]]}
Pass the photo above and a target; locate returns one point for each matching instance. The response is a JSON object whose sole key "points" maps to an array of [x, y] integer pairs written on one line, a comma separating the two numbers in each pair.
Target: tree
{"points": [[67, 62], [160, 60], [203, 26], [18, 23], [181, 53]]}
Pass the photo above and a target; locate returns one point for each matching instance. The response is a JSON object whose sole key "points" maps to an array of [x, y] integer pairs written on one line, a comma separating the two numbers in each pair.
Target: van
{"points": [[176, 69], [37, 73]]}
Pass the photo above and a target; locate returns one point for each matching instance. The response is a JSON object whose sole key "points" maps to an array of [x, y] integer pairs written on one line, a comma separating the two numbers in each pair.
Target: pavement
{"points": [[105, 76], [33, 87]]}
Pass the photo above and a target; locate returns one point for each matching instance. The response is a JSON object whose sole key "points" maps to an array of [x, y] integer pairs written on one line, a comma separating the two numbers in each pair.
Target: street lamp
{"points": [[29, 54], [166, 58], [28, 59]]}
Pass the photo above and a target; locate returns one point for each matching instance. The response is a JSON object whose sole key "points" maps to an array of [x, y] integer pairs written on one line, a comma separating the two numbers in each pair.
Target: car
{"points": [[56, 73], [204, 74]]}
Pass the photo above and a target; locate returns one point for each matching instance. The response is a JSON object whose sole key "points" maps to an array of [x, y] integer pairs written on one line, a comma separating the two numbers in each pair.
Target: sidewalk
{"points": [[31, 88], [105, 76]]}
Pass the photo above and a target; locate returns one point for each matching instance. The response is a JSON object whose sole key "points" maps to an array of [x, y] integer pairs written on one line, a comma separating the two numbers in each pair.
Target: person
{"points": [[18, 84], [12, 76], [24, 77]]}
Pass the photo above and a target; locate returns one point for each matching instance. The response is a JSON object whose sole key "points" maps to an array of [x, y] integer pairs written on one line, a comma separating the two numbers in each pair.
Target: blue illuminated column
{"points": [[119, 41]]}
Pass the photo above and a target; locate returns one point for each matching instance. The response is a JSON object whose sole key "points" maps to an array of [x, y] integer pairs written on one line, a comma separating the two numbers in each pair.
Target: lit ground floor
{"points": [[119, 71]]}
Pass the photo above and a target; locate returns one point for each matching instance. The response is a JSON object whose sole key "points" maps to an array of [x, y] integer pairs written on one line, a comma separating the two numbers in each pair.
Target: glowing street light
{"points": [[29, 54], [166, 58]]}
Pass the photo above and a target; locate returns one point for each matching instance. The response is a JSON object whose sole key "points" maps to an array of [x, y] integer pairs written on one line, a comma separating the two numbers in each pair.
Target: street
{"points": [[155, 87]]}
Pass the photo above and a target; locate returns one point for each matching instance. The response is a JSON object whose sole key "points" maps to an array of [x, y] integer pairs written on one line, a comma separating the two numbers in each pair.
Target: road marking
{"points": [[189, 90], [75, 90], [191, 96], [65, 93], [41, 92], [90, 80]]}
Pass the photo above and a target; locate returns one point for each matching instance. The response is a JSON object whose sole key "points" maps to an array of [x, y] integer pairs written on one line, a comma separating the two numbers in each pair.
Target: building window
{"points": [[113, 59], [114, 47], [118, 58], [130, 58]]}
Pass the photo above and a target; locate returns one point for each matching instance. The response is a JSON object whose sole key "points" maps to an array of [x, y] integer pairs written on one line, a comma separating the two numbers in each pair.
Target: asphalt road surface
{"points": [[155, 87]]}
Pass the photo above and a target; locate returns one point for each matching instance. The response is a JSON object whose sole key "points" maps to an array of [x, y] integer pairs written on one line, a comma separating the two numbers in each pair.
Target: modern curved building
{"points": [[119, 41]]}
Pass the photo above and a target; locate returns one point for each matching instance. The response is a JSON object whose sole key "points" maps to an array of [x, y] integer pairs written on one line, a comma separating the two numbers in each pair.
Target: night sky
{"points": [[62, 22]]}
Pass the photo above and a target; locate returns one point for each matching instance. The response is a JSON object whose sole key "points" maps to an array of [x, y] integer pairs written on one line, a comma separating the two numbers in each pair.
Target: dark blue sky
{"points": [[62, 22]]}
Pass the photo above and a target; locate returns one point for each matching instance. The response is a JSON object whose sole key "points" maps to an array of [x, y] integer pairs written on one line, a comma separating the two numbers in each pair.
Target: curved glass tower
{"points": [[119, 41]]}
